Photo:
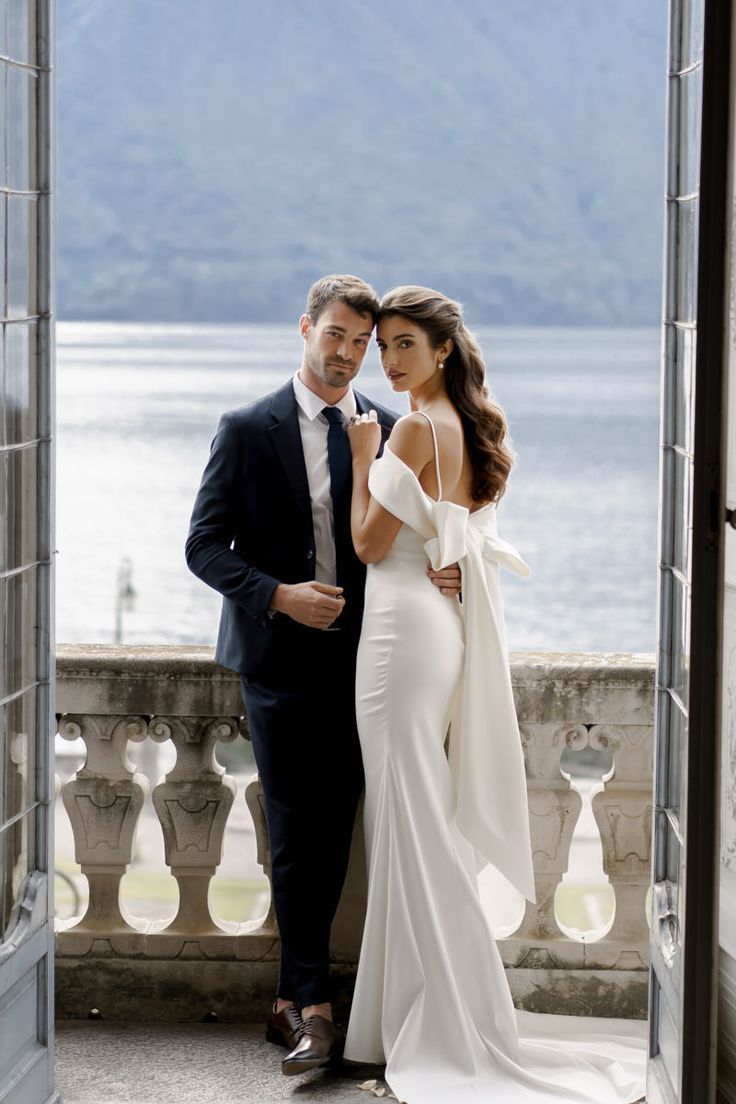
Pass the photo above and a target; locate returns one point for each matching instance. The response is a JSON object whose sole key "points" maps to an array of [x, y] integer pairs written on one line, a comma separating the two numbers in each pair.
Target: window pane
{"points": [[680, 342], [687, 260], [17, 768], [667, 506], [18, 523], [20, 384], [16, 845], [691, 36], [686, 340], [680, 648], [677, 798], [22, 211], [21, 30], [683, 513], [18, 632], [682, 248], [665, 625], [4, 67], [20, 125], [691, 104], [3, 208]]}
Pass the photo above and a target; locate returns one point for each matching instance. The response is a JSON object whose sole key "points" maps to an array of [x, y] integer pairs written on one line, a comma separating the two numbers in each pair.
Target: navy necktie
{"points": [[340, 463]]}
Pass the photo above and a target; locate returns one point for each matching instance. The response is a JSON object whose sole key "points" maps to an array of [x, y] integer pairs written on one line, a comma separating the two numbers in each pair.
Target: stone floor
{"points": [[109, 1062]]}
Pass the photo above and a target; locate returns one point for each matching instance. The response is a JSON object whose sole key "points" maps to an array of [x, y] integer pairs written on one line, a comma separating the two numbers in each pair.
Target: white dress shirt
{"points": [[313, 427]]}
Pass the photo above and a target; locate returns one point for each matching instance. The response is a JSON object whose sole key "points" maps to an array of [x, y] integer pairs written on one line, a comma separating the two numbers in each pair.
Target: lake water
{"points": [[138, 406]]}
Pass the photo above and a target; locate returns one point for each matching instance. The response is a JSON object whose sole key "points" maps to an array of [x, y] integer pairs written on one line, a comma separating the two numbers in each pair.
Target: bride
{"points": [[431, 996]]}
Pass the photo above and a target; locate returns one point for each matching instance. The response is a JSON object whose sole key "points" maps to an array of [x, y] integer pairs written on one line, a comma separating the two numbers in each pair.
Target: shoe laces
{"points": [[310, 1022]]}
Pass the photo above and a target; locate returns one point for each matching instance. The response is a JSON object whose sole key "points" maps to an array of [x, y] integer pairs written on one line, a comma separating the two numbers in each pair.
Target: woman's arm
{"points": [[373, 527]]}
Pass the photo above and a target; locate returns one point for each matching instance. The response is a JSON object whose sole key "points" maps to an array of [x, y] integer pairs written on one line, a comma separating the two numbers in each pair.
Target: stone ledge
{"points": [[582, 687]]}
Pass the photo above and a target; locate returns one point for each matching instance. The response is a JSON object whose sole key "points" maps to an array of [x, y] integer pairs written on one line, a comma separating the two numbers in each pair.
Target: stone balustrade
{"points": [[184, 968]]}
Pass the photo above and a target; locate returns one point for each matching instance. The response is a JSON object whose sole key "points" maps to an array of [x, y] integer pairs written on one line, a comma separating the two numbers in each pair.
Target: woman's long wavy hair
{"points": [[483, 422]]}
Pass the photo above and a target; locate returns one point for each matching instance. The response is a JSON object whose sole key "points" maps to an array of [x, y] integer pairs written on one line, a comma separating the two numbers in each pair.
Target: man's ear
{"points": [[305, 325]]}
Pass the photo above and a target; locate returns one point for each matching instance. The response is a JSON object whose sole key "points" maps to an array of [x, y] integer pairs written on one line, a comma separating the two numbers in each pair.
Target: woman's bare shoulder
{"points": [[411, 440]]}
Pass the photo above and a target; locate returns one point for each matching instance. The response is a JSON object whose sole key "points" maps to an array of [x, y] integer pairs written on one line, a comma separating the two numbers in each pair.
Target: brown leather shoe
{"points": [[319, 1044], [284, 1028]]}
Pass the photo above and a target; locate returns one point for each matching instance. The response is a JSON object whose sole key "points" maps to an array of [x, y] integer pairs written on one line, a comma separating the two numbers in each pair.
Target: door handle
{"points": [[731, 518], [664, 907]]}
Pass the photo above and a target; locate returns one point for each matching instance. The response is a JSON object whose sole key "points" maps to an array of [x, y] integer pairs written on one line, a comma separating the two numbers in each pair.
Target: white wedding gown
{"points": [[431, 996]]}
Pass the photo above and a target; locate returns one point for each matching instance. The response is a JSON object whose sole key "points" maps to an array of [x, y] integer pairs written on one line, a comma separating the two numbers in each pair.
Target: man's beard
{"points": [[331, 375]]}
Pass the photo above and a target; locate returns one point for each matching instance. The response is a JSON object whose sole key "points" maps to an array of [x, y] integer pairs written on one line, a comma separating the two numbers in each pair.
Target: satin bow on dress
{"points": [[485, 751]]}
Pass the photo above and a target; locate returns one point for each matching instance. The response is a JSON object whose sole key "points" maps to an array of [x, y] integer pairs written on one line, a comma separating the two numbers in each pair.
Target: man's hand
{"points": [[447, 579], [313, 604]]}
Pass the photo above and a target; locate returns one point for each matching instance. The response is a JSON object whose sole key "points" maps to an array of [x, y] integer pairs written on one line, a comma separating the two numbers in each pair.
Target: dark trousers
{"points": [[305, 742]]}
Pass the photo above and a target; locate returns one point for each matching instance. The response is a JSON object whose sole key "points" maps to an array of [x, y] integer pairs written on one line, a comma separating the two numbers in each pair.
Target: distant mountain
{"points": [[215, 157]]}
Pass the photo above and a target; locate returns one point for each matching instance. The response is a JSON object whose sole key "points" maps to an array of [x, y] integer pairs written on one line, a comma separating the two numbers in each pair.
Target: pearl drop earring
{"points": [[441, 364]]}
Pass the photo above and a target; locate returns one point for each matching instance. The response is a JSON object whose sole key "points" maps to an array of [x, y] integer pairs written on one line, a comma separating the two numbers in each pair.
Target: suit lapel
{"points": [[287, 442], [286, 437]]}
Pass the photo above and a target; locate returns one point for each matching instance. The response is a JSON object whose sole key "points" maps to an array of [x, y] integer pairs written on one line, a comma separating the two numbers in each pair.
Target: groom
{"points": [[270, 530]]}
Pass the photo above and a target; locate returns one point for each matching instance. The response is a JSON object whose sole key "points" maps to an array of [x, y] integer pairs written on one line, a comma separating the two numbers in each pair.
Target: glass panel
{"points": [[4, 67], [22, 211], [661, 762], [680, 654], [670, 270], [691, 36], [18, 632], [665, 627], [677, 796], [673, 126], [687, 180], [16, 845], [686, 341], [667, 490], [17, 755], [683, 513], [670, 385], [686, 260], [673, 854], [20, 383], [3, 207], [21, 30], [21, 122], [3, 29], [18, 522]]}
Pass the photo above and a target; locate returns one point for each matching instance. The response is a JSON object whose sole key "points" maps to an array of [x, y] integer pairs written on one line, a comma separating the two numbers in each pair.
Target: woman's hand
{"points": [[364, 434]]}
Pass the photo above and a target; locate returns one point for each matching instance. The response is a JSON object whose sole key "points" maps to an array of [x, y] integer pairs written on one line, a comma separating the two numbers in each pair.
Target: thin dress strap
{"points": [[436, 454]]}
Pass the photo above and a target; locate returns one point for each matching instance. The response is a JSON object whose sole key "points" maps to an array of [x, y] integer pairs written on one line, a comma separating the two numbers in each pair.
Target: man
{"points": [[270, 531]]}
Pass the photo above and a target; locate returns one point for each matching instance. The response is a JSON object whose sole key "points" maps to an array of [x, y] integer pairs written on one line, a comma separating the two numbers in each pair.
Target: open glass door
{"points": [[26, 549], [727, 886], [684, 916]]}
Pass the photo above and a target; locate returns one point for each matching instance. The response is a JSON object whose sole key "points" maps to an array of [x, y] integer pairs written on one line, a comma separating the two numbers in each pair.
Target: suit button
{"points": [[310, 554]]}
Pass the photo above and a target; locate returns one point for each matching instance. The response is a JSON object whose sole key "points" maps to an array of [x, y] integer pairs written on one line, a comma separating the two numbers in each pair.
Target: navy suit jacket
{"points": [[251, 529]]}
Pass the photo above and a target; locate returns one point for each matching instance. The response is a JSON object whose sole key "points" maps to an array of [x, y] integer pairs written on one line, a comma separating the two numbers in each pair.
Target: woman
{"points": [[431, 995]]}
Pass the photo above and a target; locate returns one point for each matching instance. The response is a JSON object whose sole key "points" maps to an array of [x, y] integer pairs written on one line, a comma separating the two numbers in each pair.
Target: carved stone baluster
{"points": [[255, 801], [554, 808], [104, 801], [192, 805], [623, 813]]}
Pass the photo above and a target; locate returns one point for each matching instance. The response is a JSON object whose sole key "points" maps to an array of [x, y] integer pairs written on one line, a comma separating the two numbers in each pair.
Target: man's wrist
{"points": [[276, 603]]}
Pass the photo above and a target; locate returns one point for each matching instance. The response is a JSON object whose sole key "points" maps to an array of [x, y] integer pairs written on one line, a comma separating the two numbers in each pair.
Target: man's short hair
{"points": [[350, 290]]}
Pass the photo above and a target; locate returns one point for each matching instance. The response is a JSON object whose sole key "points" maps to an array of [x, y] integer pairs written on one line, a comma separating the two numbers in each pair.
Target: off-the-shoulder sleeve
{"points": [[397, 489]]}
